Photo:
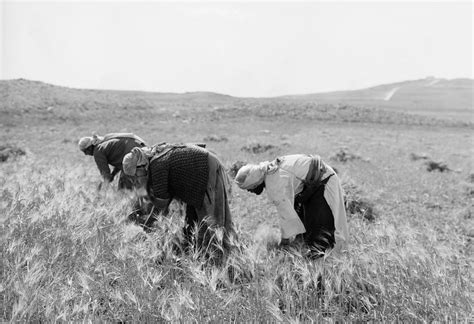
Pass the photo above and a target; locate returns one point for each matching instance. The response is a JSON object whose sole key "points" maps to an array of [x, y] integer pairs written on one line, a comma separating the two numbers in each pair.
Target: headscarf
{"points": [[87, 141], [138, 157], [251, 176]]}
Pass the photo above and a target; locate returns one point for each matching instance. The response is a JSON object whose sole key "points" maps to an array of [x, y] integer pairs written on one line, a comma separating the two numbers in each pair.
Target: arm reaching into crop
{"points": [[281, 193]]}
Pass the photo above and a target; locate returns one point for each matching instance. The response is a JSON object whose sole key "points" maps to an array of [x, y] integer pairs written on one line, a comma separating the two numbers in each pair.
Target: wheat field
{"points": [[68, 254]]}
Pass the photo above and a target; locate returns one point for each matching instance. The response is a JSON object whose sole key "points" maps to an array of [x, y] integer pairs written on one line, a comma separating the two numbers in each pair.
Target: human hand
{"points": [[285, 242]]}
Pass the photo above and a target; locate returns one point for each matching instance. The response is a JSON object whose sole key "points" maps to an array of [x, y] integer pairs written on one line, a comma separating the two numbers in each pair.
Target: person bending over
{"points": [[110, 150], [192, 175], [308, 196]]}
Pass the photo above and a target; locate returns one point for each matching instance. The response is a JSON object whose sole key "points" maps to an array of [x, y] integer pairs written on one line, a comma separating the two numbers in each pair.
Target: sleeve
{"points": [[161, 205], [334, 195], [159, 181], [281, 193], [103, 165]]}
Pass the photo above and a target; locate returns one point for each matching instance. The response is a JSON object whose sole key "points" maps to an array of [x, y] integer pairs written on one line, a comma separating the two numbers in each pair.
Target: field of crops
{"points": [[68, 254]]}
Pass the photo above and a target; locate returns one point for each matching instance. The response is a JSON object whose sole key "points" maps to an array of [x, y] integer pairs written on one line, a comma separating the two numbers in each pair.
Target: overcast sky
{"points": [[236, 48]]}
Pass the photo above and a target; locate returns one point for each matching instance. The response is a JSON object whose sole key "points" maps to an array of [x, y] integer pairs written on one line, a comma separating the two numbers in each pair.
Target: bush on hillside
{"points": [[357, 204], [436, 166], [256, 148], [343, 155], [9, 151], [215, 138], [235, 167]]}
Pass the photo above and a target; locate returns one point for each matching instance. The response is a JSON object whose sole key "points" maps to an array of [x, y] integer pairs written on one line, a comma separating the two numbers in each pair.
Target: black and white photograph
{"points": [[236, 161]]}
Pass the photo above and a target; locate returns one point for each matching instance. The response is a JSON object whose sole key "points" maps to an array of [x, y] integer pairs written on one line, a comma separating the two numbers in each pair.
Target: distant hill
{"points": [[424, 96], [26, 95], [432, 97]]}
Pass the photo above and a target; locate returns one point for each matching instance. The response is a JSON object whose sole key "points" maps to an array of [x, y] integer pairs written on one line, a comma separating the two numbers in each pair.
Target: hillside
{"points": [[26, 95], [425, 96], [421, 102]]}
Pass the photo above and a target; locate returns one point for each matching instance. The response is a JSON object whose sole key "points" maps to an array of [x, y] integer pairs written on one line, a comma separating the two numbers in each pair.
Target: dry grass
{"points": [[67, 254]]}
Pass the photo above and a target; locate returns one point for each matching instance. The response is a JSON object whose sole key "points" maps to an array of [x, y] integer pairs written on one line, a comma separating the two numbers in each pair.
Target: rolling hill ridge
{"points": [[430, 97]]}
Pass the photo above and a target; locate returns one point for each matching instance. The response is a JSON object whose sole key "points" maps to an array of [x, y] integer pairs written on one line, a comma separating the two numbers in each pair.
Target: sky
{"points": [[244, 48]]}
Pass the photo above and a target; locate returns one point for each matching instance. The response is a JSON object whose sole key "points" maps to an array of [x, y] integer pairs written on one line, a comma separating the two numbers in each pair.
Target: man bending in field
{"points": [[308, 196], [110, 149]]}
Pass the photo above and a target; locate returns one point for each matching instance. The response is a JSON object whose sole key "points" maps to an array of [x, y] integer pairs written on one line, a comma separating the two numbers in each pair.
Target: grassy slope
{"points": [[440, 97], [66, 253]]}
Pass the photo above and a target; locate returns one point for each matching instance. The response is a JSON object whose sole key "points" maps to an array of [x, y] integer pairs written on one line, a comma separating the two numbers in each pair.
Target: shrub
{"points": [[343, 155], [357, 204], [235, 167], [10, 151], [257, 148], [215, 138], [436, 166]]}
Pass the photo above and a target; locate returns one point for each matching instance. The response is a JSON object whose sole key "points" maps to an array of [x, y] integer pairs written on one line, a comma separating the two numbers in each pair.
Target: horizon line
{"points": [[230, 95]]}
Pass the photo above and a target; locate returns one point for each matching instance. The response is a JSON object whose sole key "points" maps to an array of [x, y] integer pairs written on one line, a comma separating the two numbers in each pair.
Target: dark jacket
{"points": [[112, 150], [181, 173]]}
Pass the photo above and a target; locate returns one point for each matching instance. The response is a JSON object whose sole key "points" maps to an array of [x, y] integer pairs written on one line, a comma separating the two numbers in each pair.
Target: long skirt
{"points": [[213, 218], [318, 221]]}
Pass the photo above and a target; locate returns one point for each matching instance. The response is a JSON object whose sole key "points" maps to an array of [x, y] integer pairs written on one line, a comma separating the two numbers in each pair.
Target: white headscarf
{"points": [[138, 157], [87, 141], [251, 176]]}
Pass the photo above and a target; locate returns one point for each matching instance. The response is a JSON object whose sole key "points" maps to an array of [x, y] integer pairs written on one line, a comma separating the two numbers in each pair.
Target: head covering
{"points": [[251, 176], [87, 141], [138, 157]]}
